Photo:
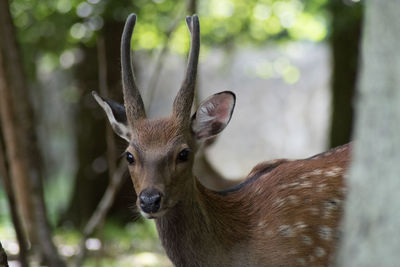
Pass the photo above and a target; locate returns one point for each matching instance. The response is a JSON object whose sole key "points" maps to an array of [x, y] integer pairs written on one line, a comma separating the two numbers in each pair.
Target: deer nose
{"points": [[150, 200]]}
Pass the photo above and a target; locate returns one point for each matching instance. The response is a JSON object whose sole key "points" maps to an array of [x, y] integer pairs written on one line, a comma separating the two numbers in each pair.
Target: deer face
{"points": [[160, 153], [159, 156]]}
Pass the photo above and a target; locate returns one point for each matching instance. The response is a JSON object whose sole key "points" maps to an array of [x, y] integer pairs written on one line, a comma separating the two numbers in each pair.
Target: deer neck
{"points": [[199, 228]]}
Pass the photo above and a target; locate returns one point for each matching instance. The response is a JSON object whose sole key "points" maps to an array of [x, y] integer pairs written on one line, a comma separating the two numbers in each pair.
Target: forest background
{"points": [[293, 64]]}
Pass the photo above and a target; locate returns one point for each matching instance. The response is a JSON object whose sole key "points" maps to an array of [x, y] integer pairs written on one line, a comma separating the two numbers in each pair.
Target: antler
{"points": [[184, 99], [133, 101]]}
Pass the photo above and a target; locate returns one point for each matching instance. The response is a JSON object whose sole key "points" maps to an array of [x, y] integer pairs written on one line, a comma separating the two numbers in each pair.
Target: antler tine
{"points": [[184, 99], [133, 101]]}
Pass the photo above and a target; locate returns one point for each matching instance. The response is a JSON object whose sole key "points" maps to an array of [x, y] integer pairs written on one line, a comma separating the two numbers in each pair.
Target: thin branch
{"points": [[3, 257], [23, 251], [103, 86], [101, 210]]}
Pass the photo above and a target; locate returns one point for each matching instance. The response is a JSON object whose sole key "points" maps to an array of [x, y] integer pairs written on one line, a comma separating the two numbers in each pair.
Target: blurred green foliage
{"points": [[135, 244], [50, 30]]}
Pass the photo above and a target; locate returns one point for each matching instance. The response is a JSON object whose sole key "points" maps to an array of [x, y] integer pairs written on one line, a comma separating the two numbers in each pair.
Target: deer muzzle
{"points": [[150, 200]]}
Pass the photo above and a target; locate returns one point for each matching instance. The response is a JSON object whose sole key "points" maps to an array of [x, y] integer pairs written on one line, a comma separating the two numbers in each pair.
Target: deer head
{"points": [[160, 152]]}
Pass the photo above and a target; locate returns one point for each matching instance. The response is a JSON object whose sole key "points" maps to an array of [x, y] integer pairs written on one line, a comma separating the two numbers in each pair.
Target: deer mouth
{"points": [[154, 215]]}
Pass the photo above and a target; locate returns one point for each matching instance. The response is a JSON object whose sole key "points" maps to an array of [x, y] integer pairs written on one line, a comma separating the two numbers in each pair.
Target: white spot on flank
{"points": [[304, 176], [279, 202], [329, 206], [335, 171], [316, 172], [300, 225], [306, 240], [292, 251], [325, 233], [314, 211], [285, 230], [292, 199], [333, 204], [337, 201], [306, 184], [327, 214], [284, 186], [330, 174], [259, 191], [320, 187], [294, 184], [319, 252]]}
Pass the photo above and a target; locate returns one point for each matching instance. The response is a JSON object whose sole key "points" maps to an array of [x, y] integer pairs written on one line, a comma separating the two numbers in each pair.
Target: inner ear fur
{"points": [[116, 115], [213, 115]]}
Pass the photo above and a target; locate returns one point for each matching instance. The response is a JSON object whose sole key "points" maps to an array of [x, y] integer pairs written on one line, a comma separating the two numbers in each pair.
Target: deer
{"points": [[285, 213]]}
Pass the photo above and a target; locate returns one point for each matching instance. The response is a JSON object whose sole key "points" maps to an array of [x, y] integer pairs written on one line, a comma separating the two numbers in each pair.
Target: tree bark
{"points": [[344, 40], [23, 250], [3, 257], [371, 223], [21, 142], [9, 120]]}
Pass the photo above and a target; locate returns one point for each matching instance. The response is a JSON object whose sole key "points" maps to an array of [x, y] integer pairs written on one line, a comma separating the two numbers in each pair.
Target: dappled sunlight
{"points": [[309, 27], [147, 259], [280, 68], [222, 8], [136, 244], [262, 11]]}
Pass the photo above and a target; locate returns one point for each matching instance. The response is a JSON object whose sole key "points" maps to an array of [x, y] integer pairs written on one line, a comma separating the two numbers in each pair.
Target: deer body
{"points": [[286, 213]]}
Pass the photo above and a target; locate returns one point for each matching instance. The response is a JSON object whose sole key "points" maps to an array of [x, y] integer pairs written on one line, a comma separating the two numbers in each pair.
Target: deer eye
{"points": [[184, 155], [130, 158]]}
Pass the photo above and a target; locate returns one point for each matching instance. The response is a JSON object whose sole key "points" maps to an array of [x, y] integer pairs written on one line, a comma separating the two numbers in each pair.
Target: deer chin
{"points": [[155, 215]]}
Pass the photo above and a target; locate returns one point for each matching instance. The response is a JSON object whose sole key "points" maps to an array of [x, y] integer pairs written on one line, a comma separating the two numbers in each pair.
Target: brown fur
{"points": [[251, 227]]}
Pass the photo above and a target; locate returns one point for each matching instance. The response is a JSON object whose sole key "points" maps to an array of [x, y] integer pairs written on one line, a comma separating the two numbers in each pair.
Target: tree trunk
{"points": [[3, 257], [371, 223], [21, 143], [23, 250], [345, 39]]}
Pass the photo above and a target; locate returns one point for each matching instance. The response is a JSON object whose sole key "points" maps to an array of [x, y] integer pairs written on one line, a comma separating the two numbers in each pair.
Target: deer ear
{"points": [[213, 115], [116, 115]]}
